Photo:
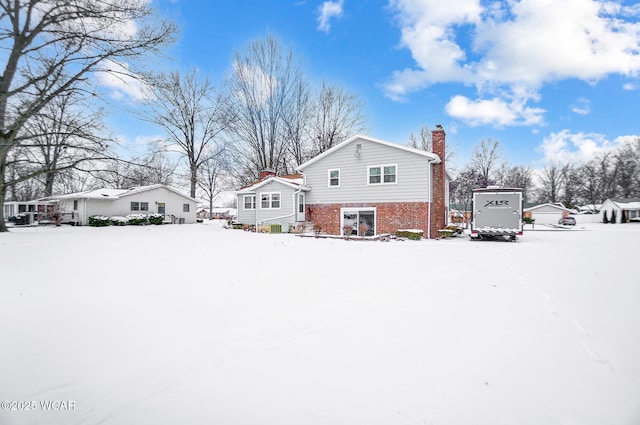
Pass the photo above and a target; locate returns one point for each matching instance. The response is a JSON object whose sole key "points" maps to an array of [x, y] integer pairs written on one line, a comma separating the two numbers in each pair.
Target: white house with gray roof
{"points": [[157, 199]]}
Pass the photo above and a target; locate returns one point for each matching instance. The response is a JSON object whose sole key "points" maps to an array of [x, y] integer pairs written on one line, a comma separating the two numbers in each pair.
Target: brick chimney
{"points": [[439, 209], [267, 172]]}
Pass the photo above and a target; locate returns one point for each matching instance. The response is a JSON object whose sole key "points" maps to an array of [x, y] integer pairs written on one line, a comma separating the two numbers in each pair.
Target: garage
{"points": [[546, 213]]}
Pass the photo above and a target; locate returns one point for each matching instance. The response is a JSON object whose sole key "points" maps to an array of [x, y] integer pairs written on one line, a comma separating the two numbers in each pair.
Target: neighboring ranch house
{"points": [[273, 200], [546, 213], [630, 207], [155, 199], [362, 186]]}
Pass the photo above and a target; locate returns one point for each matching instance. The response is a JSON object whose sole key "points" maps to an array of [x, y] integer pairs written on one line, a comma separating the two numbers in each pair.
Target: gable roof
{"points": [[117, 193], [548, 204], [626, 204], [432, 157], [295, 182]]}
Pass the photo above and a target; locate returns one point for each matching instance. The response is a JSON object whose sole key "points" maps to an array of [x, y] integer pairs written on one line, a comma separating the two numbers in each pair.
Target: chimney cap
{"points": [[438, 126]]}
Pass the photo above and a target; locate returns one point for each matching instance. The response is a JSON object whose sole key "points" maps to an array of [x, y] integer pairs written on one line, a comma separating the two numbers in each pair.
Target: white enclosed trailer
{"points": [[496, 211]]}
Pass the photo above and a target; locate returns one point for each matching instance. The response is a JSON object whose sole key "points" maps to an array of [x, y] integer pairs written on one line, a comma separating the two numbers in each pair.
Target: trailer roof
{"points": [[498, 189]]}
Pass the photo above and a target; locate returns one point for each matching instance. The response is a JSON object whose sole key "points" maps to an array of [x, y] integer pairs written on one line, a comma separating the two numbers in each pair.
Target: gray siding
{"points": [[284, 214], [412, 184], [287, 207], [245, 216]]}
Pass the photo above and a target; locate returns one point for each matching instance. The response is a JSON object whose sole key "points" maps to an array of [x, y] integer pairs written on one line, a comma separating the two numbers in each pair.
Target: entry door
{"points": [[161, 208], [300, 214]]}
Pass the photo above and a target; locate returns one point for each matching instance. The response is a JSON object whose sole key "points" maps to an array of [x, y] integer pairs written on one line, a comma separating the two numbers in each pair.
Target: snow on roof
{"points": [[430, 155], [548, 204], [116, 193], [295, 181], [627, 204]]}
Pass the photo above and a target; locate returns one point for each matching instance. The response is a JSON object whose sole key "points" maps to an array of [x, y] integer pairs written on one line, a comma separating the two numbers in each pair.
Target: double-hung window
{"points": [[382, 174], [249, 202], [270, 201], [135, 206], [334, 178]]}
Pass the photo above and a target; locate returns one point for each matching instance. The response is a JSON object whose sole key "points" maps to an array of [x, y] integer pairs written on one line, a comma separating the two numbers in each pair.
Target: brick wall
{"points": [[440, 210], [390, 216]]}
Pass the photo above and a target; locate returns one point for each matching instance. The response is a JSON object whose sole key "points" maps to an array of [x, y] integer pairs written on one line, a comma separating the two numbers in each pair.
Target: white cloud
{"points": [[496, 112], [577, 148], [514, 44], [328, 11], [121, 82], [581, 106], [629, 87]]}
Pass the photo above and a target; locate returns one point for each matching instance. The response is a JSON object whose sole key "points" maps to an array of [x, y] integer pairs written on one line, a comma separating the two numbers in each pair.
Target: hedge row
{"points": [[131, 219]]}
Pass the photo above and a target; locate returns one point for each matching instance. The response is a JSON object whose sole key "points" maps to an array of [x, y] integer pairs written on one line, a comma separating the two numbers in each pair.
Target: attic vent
{"points": [[105, 195]]}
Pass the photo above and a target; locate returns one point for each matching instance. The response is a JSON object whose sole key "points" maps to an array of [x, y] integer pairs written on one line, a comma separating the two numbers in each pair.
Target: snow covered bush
{"points": [[137, 219], [99, 221], [118, 220], [413, 234], [156, 218]]}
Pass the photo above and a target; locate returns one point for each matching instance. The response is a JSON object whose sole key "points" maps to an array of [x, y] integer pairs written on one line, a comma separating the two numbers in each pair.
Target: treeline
{"points": [[614, 173]]}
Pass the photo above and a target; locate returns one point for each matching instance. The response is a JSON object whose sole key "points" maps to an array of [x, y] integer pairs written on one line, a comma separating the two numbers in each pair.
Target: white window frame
{"points": [[381, 167], [136, 204], [329, 177], [252, 202], [185, 207], [270, 200], [144, 206]]}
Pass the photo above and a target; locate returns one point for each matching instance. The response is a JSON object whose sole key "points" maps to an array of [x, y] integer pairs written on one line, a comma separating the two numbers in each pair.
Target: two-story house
{"points": [[362, 186]]}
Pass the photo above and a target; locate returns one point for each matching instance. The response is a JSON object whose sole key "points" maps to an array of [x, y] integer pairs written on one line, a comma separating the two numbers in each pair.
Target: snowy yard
{"points": [[194, 324]]}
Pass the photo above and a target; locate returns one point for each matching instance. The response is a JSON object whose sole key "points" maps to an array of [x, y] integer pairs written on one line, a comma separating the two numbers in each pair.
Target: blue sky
{"points": [[551, 80]]}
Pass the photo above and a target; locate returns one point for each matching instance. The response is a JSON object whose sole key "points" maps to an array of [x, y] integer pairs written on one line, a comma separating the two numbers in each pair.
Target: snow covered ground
{"points": [[195, 324]]}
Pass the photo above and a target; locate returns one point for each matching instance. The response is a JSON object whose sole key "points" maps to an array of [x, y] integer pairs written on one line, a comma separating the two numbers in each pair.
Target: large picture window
{"points": [[382, 174], [269, 201]]}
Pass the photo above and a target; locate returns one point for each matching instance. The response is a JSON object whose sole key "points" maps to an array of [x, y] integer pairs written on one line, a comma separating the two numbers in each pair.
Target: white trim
{"points": [[358, 210], [270, 194], [382, 182], [329, 185]]}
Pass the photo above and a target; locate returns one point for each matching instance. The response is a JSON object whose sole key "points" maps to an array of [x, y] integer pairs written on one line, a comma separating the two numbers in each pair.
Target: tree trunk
{"points": [[3, 190], [194, 179], [48, 184]]}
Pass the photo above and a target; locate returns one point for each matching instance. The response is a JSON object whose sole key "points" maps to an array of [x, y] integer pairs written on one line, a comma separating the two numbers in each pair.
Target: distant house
{"points": [[546, 213], [362, 186], [158, 199], [629, 207], [217, 213]]}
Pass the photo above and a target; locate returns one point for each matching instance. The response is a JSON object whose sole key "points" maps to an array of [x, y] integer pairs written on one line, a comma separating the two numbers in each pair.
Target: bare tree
{"points": [[519, 177], [338, 116], [212, 173], [461, 189], [423, 142], [551, 181], [295, 129], [192, 115], [153, 167], [571, 179], [65, 132], [264, 88], [52, 46], [627, 169], [485, 159]]}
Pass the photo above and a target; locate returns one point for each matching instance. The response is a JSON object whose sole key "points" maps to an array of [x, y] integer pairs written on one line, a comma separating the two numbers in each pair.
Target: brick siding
{"points": [[390, 216]]}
